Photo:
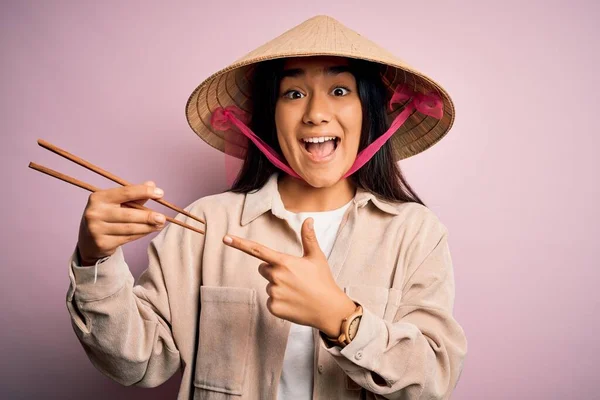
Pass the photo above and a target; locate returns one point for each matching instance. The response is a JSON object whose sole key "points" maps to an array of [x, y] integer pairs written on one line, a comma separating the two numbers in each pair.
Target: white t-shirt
{"points": [[296, 382]]}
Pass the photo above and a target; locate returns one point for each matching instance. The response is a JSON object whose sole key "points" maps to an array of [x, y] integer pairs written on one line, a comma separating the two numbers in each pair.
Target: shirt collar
{"points": [[268, 198]]}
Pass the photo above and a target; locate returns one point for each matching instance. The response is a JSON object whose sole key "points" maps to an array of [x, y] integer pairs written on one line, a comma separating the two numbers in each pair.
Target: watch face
{"points": [[353, 328]]}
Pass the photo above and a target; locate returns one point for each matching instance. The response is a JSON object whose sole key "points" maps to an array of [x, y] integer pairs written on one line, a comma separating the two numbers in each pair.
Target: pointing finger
{"points": [[254, 249]]}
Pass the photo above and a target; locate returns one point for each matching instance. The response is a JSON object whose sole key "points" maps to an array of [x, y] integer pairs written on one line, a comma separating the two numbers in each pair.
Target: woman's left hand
{"points": [[301, 289]]}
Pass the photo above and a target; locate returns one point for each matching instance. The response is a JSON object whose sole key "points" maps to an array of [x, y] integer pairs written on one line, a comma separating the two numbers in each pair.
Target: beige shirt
{"points": [[201, 305]]}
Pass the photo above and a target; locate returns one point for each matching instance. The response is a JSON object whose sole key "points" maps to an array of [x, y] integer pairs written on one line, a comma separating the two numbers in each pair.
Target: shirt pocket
{"points": [[227, 318], [381, 301]]}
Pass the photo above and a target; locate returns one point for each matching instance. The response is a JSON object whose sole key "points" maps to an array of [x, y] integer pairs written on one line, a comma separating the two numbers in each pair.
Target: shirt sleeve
{"points": [[420, 354], [126, 329]]}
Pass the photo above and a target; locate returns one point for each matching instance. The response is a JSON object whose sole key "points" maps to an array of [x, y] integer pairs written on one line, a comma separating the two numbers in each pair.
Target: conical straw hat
{"points": [[320, 35]]}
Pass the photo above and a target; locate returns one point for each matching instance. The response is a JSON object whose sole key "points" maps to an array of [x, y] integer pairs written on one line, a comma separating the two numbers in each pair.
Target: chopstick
{"points": [[91, 188], [108, 175], [83, 185]]}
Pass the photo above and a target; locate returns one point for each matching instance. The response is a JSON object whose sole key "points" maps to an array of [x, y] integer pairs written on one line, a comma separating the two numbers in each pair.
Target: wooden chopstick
{"points": [[108, 175], [91, 188]]}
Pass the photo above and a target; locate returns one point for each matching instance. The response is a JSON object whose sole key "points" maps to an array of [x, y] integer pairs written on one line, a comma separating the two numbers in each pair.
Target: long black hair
{"points": [[380, 175]]}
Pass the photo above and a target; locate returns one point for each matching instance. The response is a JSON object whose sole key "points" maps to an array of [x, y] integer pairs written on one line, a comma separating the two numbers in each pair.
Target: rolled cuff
{"points": [[95, 282], [370, 329]]}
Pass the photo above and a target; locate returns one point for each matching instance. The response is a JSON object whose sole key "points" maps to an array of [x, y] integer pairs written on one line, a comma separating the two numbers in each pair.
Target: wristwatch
{"points": [[349, 328]]}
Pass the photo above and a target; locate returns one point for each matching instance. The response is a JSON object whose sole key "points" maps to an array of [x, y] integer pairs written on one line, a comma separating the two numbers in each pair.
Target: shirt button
{"points": [[320, 369], [358, 355]]}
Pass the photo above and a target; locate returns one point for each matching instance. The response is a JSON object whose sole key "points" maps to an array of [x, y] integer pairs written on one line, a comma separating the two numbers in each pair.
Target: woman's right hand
{"points": [[106, 224]]}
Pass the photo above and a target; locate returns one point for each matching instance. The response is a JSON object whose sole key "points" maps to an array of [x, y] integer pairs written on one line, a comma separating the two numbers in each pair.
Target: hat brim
{"points": [[232, 86]]}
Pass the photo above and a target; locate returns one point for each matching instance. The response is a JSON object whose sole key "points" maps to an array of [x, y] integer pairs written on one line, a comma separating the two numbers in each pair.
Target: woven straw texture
{"points": [[320, 35]]}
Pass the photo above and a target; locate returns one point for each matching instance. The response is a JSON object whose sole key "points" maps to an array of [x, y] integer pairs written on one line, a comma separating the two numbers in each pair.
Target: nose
{"points": [[318, 110]]}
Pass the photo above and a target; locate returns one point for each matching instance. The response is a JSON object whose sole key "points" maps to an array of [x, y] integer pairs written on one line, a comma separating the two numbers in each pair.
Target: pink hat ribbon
{"points": [[429, 104], [221, 119]]}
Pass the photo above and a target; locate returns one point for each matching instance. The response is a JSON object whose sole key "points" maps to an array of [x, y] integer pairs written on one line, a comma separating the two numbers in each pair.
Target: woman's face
{"points": [[317, 101]]}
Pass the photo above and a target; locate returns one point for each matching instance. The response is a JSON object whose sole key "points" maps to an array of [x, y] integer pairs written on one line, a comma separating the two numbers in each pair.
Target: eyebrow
{"points": [[298, 72]]}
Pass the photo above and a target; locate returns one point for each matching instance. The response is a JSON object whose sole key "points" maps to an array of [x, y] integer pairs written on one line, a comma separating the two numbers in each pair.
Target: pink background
{"points": [[516, 181]]}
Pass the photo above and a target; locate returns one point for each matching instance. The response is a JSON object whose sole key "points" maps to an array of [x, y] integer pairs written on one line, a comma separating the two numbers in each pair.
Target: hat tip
{"points": [[322, 16]]}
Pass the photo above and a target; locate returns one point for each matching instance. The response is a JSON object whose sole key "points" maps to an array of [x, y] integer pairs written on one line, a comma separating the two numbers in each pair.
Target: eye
{"points": [[340, 91], [293, 94]]}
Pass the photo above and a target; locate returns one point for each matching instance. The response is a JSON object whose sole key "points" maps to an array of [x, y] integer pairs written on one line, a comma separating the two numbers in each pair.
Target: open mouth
{"points": [[321, 149]]}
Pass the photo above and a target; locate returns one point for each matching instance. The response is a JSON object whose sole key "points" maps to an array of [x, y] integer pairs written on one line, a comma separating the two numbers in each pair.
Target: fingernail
{"points": [[159, 218], [310, 223], [227, 240], [158, 192]]}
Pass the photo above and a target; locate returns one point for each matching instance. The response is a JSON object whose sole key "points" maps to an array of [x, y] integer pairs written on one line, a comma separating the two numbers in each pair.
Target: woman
{"points": [[321, 275]]}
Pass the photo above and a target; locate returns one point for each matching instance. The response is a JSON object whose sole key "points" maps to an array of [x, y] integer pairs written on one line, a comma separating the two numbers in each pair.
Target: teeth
{"points": [[318, 139]]}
